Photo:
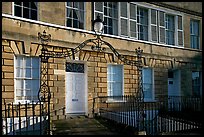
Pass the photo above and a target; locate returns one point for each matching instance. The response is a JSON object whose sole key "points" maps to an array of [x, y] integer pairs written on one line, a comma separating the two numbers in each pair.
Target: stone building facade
{"points": [[178, 63]]}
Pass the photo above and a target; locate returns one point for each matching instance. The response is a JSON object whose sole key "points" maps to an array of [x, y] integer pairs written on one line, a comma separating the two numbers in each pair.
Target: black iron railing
{"points": [[157, 115], [24, 119]]}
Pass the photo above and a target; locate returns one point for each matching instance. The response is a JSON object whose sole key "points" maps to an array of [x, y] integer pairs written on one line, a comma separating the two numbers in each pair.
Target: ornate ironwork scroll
{"points": [[96, 44]]}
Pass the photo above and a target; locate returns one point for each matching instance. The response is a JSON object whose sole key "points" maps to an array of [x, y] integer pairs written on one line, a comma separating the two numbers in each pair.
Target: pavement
{"points": [[81, 125]]}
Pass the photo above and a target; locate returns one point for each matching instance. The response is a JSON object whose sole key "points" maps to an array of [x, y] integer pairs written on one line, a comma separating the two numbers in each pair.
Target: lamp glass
{"points": [[98, 27]]}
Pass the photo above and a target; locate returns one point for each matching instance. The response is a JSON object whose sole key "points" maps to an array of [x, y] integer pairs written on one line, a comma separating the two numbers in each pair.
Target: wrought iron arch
{"points": [[96, 44]]}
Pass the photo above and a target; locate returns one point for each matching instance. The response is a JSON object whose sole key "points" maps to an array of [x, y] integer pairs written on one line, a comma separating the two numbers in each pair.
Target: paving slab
{"points": [[80, 125]]}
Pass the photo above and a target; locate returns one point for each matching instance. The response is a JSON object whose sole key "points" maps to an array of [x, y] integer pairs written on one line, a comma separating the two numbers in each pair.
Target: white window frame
{"points": [[149, 40], [13, 11], [78, 10], [174, 30], [23, 101], [110, 82], [194, 20], [138, 23], [106, 16], [152, 99]]}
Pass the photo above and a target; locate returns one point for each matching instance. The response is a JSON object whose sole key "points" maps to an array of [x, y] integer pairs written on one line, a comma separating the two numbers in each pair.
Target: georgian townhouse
{"points": [[169, 33]]}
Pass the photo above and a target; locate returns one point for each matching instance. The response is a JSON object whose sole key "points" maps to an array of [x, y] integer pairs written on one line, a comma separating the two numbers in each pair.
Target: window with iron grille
{"points": [[27, 78], [75, 14], [194, 34], [27, 10]]}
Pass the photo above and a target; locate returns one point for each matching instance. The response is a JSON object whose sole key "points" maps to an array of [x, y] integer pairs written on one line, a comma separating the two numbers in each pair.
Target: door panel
{"points": [[75, 92]]}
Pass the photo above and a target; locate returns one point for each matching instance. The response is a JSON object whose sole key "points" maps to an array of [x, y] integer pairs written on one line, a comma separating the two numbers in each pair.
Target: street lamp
{"points": [[98, 25], [98, 29]]}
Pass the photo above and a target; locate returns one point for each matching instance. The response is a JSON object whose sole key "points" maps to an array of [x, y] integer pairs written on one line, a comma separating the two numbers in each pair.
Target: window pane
{"points": [[132, 11], [153, 16], [28, 73], [19, 84], [115, 80], [69, 4], [17, 11], [33, 5], [180, 22], [25, 13], [81, 5], [17, 3], [180, 37], [27, 62], [124, 27], [76, 4], [161, 18], [99, 6], [35, 62], [154, 33], [34, 14], [35, 73], [123, 9], [35, 88], [26, 4], [162, 35]]}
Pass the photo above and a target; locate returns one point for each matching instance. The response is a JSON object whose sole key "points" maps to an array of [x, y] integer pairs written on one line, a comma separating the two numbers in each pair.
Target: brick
{"points": [[92, 74], [7, 82], [103, 79], [50, 71], [9, 88], [51, 83], [128, 76], [102, 85], [8, 62], [102, 64], [104, 70], [91, 64], [58, 60], [97, 69], [128, 85], [53, 66], [91, 69], [97, 59], [104, 75], [8, 94], [3, 88], [8, 75], [61, 77], [61, 66], [52, 77], [7, 49], [5, 42], [7, 55], [97, 79], [59, 84]]}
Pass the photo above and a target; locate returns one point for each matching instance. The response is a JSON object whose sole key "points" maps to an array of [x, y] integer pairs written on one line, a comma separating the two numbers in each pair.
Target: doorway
{"points": [[174, 90], [76, 92]]}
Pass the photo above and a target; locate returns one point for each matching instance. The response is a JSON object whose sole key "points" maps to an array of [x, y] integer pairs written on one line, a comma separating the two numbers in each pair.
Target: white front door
{"points": [[75, 93], [174, 89]]}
